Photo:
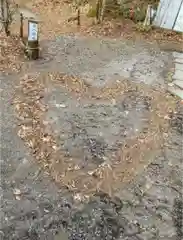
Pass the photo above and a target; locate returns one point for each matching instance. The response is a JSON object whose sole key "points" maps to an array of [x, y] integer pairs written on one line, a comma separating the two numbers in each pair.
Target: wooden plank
{"points": [[171, 14], [161, 11], [165, 16], [179, 22], [167, 13]]}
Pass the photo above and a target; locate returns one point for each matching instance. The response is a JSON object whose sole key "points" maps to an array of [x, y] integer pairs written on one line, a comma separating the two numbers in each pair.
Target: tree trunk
{"points": [[103, 7], [2, 12], [100, 10], [79, 16], [5, 16]]}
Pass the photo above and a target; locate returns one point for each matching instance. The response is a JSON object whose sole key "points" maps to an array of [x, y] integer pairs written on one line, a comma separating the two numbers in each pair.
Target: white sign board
{"points": [[33, 31]]}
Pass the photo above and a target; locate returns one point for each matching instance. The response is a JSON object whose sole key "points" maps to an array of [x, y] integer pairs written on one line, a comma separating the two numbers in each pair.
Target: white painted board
{"points": [[161, 11], [33, 31], [170, 15], [179, 23]]}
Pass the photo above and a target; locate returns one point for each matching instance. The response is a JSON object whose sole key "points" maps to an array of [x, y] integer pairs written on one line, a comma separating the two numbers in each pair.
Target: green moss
{"points": [[141, 28], [139, 14], [92, 12]]}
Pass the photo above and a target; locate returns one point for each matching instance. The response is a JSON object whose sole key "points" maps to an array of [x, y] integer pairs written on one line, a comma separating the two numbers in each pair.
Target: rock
{"points": [[179, 83], [178, 66], [178, 74], [61, 236], [176, 91], [178, 55]]}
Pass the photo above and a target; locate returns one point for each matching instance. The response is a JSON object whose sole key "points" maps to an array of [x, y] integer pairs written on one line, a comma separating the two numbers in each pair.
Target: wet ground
{"points": [[150, 207]]}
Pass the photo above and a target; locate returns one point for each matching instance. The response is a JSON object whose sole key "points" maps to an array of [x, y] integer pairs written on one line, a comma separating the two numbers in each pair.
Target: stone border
{"points": [[176, 87]]}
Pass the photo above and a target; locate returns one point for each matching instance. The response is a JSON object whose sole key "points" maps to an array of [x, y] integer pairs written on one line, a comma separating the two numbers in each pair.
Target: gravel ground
{"points": [[33, 207], [93, 130], [40, 202], [100, 61]]}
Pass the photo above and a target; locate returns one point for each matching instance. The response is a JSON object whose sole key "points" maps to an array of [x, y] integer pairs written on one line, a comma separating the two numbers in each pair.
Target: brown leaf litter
{"points": [[131, 158], [55, 15], [10, 53]]}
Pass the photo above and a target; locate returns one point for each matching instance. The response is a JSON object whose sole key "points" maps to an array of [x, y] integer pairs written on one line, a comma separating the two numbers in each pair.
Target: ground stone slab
{"points": [[178, 60], [178, 66], [178, 55], [179, 84], [178, 74], [176, 91]]}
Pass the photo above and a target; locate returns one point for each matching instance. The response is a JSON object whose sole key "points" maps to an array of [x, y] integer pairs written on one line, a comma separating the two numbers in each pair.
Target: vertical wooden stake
{"points": [[21, 26], [98, 8], [103, 8], [79, 17]]}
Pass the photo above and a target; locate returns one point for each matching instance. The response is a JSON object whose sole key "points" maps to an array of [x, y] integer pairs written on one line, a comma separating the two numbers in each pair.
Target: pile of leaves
{"points": [[10, 53]]}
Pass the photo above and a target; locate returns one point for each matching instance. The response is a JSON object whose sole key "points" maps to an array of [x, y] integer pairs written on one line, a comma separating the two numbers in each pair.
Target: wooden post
{"points": [[21, 26], [78, 17], [33, 40], [98, 8]]}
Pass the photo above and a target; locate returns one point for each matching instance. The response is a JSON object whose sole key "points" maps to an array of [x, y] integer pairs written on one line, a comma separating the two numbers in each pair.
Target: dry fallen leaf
{"points": [[17, 193]]}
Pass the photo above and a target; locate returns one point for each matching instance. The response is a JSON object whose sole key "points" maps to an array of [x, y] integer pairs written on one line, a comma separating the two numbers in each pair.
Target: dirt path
{"points": [[33, 207], [30, 202], [93, 117]]}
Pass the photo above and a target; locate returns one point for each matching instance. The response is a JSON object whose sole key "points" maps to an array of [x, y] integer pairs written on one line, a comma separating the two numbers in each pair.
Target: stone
{"points": [[178, 55], [176, 91], [178, 66], [178, 75], [178, 60], [179, 83], [61, 236]]}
